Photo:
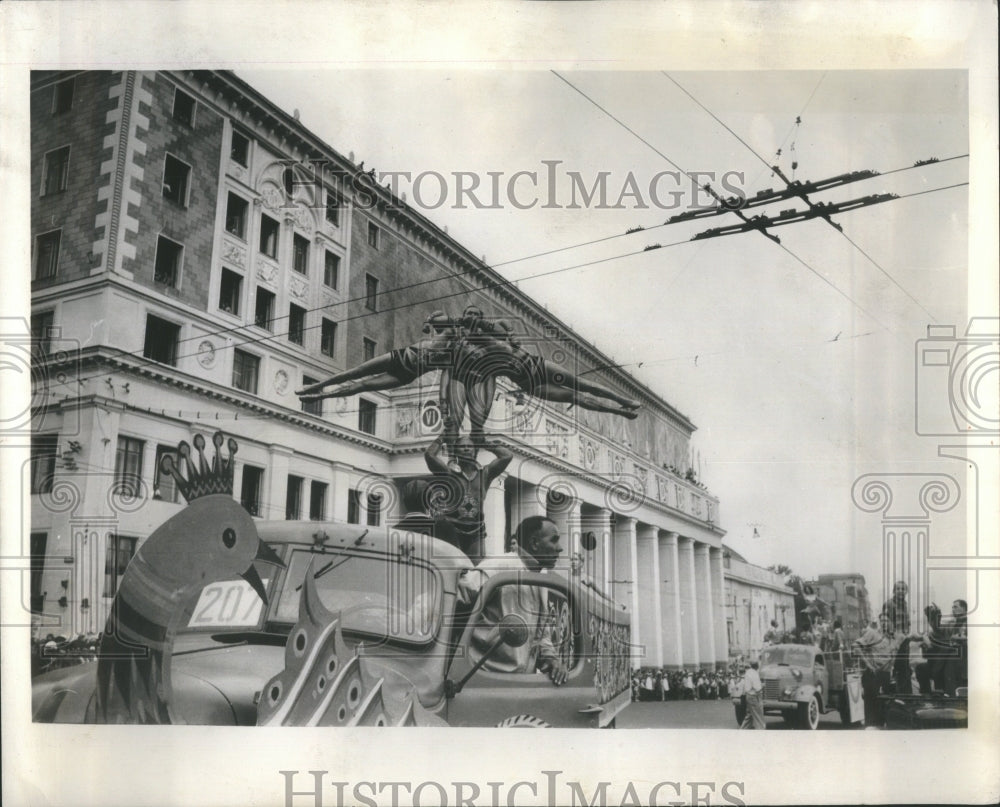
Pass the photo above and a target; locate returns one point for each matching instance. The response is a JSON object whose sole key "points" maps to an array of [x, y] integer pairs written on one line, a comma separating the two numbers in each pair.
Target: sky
{"points": [[800, 379]]}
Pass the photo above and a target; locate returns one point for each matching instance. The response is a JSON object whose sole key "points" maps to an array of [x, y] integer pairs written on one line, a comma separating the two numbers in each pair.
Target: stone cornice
{"points": [[297, 138], [224, 395]]}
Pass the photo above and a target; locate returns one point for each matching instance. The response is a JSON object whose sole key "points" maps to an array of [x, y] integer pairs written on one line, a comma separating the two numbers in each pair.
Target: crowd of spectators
{"points": [[54, 651], [660, 684]]}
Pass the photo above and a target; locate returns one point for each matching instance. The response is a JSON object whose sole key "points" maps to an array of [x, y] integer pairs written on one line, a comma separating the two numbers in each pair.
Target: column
{"points": [[624, 581], [719, 608], [341, 484], [647, 607], [689, 602], [528, 500], [706, 613], [564, 510], [597, 563], [276, 483], [495, 516], [670, 602]]}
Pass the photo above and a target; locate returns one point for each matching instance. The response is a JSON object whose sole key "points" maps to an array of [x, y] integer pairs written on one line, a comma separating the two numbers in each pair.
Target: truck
{"points": [[801, 682], [368, 622]]}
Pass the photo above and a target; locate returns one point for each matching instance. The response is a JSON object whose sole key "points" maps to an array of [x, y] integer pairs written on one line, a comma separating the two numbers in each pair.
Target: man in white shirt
{"points": [[536, 547], [754, 691]]}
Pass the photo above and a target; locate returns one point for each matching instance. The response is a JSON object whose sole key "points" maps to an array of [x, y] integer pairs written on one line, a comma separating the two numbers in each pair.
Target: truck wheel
{"points": [[808, 714], [523, 722]]}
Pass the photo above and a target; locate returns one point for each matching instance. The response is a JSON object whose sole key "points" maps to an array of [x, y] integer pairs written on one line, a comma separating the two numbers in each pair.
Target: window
{"points": [[300, 254], [328, 337], [236, 216], [161, 340], [43, 462], [62, 96], [38, 541], [353, 506], [239, 149], [333, 208], [368, 348], [317, 501], [183, 108], [296, 324], [230, 291], [41, 332], [293, 498], [268, 236], [331, 270], [371, 292], [164, 485], [47, 254], [374, 509], [175, 180], [55, 171], [311, 407], [167, 266], [373, 235], [246, 368], [288, 180], [253, 479], [263, 315], [366, 416], [121, 548], [128, 467]]}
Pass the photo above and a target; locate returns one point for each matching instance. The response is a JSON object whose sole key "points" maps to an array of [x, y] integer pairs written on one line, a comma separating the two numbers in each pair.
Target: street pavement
{"points": [[710, 714]]}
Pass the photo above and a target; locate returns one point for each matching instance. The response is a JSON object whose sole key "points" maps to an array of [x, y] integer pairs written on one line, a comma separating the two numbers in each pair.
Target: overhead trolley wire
{"points": [[803, 196], [664, 156]]}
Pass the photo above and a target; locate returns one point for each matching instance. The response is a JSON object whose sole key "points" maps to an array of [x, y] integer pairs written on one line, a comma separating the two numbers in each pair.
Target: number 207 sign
{"points": [[229, 604]]}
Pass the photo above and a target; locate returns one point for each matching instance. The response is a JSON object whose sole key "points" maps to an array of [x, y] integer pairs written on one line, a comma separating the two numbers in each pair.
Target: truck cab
{"points": [[395, 597]]}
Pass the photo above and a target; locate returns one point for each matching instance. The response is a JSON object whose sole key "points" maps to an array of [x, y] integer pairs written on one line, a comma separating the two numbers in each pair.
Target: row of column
{"points": [[671, 584]]}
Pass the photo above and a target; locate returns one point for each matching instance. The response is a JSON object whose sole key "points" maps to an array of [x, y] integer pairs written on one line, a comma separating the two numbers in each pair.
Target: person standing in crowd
{"points": [[664, 685], [773, 635], [753, 688], [897, 610], [875, 650], [689, 692], [837, 639]]}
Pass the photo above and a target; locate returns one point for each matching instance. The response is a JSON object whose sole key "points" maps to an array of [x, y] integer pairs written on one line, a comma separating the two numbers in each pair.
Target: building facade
{"points": [[754, 596], [847, 596], [198, 255]]}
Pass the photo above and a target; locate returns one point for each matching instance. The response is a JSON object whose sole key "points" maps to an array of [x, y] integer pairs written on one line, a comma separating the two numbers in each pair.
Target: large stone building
{"points": [[847, 596], [753, 597], [198, 254]]}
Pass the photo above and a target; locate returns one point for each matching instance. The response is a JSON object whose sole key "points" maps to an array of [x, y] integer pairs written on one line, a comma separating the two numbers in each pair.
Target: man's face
{"points": [[546, 546], [957, 609], [465, 451], [899, 591]]}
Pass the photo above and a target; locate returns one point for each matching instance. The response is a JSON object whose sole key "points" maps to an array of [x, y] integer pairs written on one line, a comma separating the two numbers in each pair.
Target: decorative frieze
{"points": [[234, 253]]}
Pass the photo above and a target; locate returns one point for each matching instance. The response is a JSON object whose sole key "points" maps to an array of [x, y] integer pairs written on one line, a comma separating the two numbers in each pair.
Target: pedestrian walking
{"points": [[754, 691]]}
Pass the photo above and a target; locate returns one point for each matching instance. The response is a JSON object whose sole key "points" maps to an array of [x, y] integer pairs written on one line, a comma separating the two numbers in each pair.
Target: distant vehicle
{"points": [[401, 627], [801, 682]]}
